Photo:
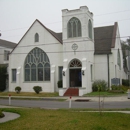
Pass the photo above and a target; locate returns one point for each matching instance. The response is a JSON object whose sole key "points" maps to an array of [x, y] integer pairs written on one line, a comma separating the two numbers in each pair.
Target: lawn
{"points": [[33, 94], [41, 119], [106, 94]]}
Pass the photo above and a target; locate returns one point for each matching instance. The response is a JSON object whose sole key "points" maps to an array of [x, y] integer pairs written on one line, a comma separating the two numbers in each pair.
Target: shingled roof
{"points": [[7, 44], [104, 38]]}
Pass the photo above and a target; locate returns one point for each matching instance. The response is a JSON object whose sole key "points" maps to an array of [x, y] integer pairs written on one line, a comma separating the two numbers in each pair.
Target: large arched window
{"points": [[74, 28], [36, 38], [37, 66], [90, 29], [118, 59]]}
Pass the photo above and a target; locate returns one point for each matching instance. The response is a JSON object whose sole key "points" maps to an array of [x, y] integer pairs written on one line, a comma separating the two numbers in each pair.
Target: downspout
{"points": [[108, 71]]}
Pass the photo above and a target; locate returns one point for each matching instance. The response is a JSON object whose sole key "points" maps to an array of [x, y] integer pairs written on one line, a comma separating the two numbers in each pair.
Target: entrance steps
{"points": [[72, 92]]}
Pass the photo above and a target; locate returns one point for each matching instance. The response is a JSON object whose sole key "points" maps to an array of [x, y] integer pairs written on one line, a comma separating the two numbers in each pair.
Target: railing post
{"points": [[70, 102], [9, 99]]}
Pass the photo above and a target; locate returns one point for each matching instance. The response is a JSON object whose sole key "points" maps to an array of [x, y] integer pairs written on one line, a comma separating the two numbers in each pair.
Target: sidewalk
{"points": [[9, 116], [73, 98], [12, 116], [106, 99]]}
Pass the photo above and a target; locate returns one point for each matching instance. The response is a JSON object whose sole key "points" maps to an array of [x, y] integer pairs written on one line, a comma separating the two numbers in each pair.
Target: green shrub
{"points": [[59, 83], [98, 83], [1, 114], [3, 77], [115, 87], [116, 91], [37, 89], [125, 82], [18, 89], [121, 88], [124, 88]]}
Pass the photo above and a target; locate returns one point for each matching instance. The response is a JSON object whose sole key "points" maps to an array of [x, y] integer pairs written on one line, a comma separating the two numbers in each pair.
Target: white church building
{"points": [[78, 56]]}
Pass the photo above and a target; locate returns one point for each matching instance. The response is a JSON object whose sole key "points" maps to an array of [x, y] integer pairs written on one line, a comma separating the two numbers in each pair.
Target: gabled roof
{"points": [[58, 36], [7, 44], [104, 39]]}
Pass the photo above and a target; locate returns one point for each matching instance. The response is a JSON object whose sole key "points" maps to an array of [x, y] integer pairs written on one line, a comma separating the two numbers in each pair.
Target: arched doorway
{"points": [[75, 73]]}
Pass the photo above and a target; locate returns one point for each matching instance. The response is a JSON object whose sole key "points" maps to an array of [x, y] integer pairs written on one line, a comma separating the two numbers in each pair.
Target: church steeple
{"points": [[77, 23]]}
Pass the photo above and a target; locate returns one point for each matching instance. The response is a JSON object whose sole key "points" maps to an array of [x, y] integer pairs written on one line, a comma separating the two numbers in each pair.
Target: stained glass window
{"points": [[75, 63], [37, 66]]}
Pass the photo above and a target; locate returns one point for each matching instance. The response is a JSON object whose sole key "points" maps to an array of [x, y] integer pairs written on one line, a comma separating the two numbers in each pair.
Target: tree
{"points": [[125, 49], [3, 76]]}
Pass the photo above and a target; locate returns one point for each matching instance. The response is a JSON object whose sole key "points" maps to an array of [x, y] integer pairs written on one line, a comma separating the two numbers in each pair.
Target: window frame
{"points": [[91, 69], [36, 37], [14, 75], [119, 59], [60, 69], [90, 32], [73, 32], [36, 57], [6, 55]]}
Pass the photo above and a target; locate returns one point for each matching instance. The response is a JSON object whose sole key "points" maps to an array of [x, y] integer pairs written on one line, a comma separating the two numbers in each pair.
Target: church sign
{"points": [[115, 81]]}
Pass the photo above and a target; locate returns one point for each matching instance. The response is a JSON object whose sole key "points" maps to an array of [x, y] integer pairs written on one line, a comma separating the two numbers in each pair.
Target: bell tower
{"points": [[78, 42], [77, 23]]}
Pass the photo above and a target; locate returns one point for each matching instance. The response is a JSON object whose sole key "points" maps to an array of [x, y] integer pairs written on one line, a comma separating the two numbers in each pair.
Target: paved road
{"points": [[64, 104]]}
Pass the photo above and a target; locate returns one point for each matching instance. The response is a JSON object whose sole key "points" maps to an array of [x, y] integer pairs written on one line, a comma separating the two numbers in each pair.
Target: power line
{"points": [[113, 21], [112, 13], [61, 21]]}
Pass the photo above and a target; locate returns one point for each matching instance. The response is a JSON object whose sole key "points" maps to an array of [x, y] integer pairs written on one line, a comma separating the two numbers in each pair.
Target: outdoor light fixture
{"points": [[63, 73], [82, 72]]}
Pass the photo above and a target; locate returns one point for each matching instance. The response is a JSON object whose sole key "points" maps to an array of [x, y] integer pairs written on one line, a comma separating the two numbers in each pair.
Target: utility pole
{"points": [[108, 71], [128, 40]]}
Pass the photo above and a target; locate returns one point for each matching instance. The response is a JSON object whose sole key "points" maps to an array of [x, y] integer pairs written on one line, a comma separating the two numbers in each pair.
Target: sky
{"points": [[16, 16]]}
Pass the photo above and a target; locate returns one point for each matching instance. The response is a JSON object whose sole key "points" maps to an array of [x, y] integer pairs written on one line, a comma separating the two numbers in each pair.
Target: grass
{"points": [[41, 119], [29, 94], [106, 94]]}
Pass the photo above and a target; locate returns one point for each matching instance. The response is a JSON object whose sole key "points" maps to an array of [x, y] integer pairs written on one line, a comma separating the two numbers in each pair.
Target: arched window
{"points": [[37, 66], [74, 28], [36, 37], [119, 59], [75, 63], [90, 29]]}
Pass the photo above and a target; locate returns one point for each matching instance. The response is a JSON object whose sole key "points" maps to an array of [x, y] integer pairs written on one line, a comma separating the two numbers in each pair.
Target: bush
{"points": [[125, 82], [116, 91], [124, 88], [115, 87], [18, 89], [101, 83], [120, 88], [1, 114], [59, 83], [3, 77], [37, 89]]}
